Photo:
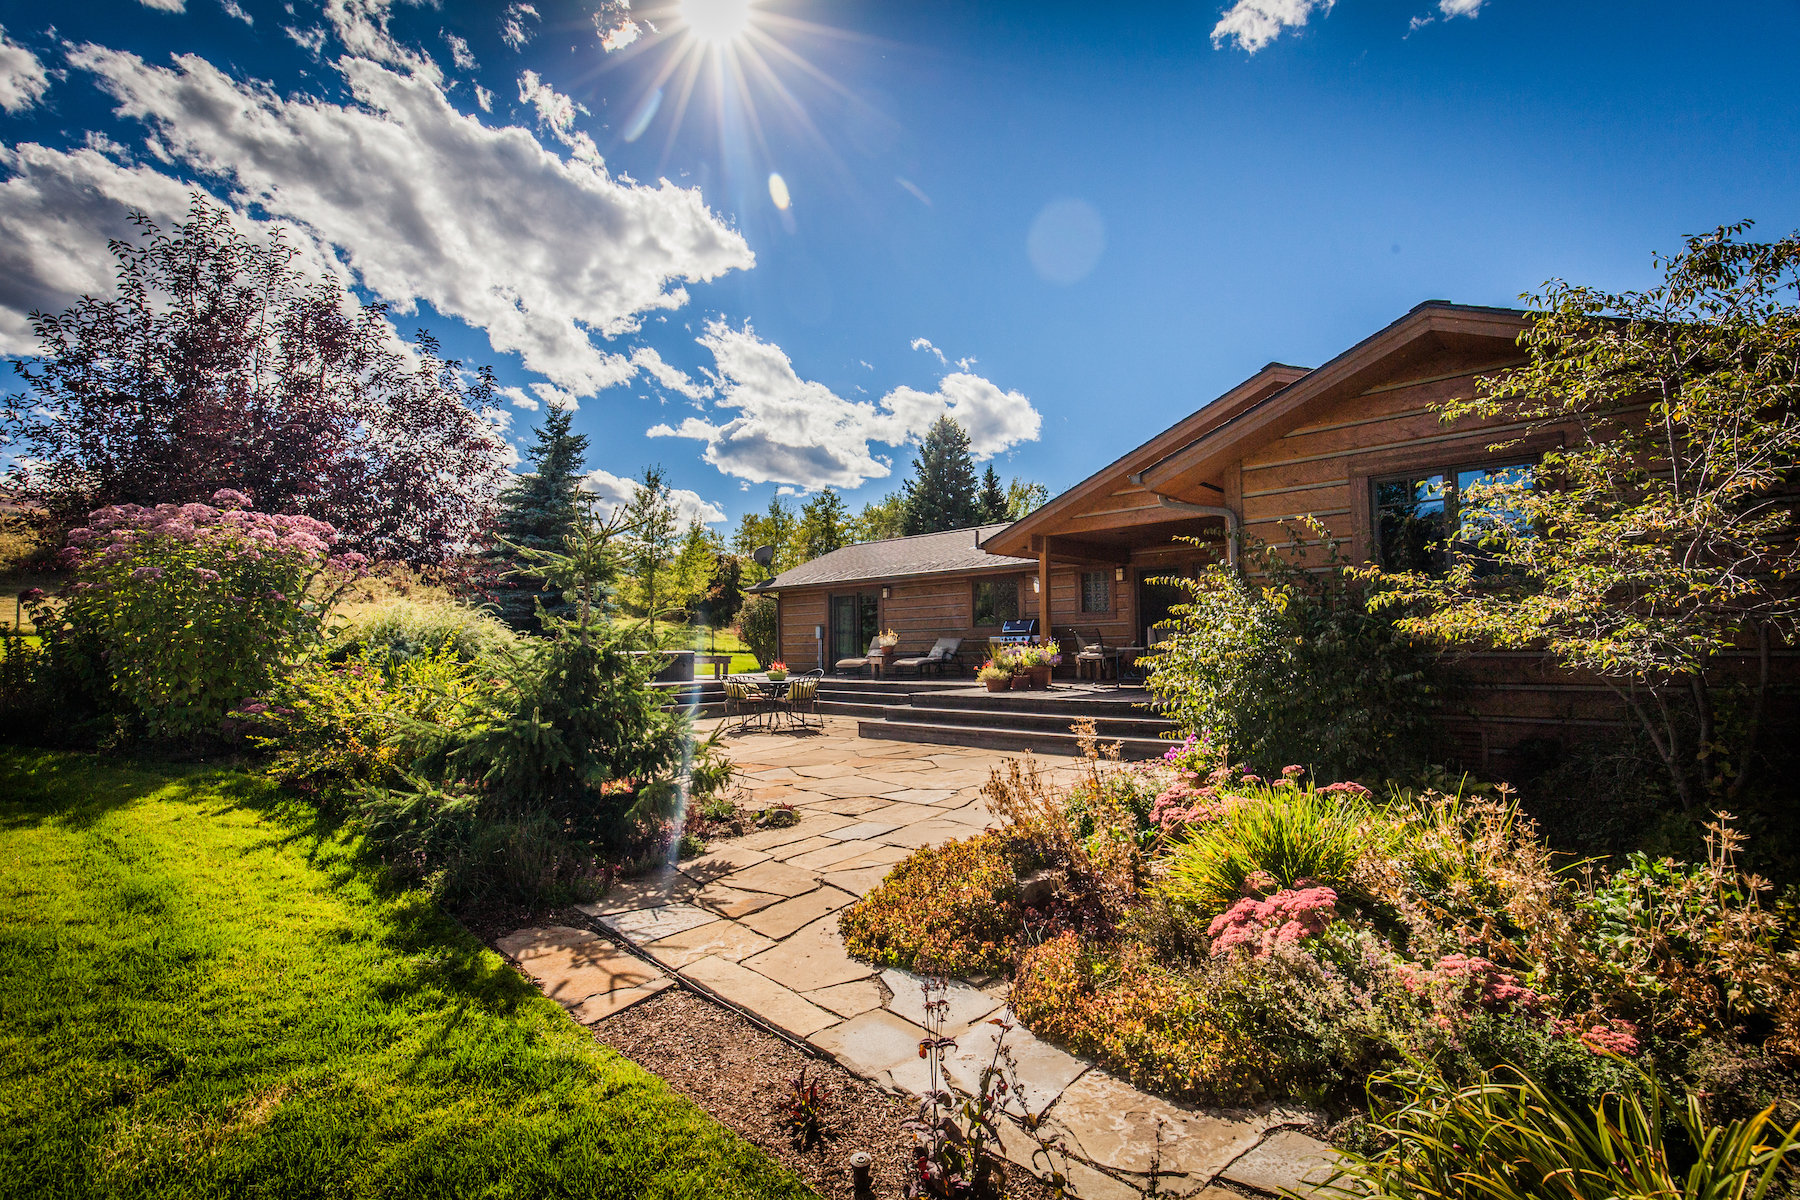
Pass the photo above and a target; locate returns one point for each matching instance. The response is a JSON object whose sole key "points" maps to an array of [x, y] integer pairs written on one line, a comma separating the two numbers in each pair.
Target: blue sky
{"points": [[1096, 217]]}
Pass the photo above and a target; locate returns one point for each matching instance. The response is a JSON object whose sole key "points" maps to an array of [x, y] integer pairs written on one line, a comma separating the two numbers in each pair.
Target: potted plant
{"points": [[1036, 663], [997, 677], [777, 671]]}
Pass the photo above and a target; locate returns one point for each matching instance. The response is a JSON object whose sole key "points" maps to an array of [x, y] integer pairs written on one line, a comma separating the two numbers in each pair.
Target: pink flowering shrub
{"points": [[1257, 926], [178, 612], [1469, 983]]}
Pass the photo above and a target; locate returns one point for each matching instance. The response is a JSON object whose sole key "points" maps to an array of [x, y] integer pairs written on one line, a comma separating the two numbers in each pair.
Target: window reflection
{"points": [[1420, 517]]}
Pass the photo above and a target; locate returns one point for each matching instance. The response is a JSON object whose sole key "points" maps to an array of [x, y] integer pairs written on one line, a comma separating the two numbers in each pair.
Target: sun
{"points": [[719, 24]]}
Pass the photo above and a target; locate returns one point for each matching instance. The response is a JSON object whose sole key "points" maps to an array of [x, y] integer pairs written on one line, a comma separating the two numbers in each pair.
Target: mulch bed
{"points": [[739, 1073]]}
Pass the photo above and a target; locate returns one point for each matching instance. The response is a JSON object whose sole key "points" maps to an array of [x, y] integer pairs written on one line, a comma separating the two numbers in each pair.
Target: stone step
{"points": [[1141, 725], [991, 737]]}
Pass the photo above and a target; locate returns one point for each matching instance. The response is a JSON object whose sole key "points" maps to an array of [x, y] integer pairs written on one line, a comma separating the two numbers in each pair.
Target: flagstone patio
{"points": [[754, 922]]}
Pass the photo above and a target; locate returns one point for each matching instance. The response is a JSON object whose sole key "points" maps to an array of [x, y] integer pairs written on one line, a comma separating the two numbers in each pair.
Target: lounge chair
{"points": [[857, 664], [942, 654]]}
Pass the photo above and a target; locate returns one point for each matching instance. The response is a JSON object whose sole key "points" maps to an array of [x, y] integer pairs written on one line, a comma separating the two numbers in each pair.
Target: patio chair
{"points": [[857, 664], [745, 701], [1096, 654], [803, 701], [941, 654]]}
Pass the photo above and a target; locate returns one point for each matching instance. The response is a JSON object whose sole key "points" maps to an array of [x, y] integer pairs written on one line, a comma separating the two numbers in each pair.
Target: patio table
{"points": [[776, 690], [719, 664]]}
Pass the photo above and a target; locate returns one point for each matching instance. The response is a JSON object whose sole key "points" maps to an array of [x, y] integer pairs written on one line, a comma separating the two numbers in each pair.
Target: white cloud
{"points": [[23, 80], [616, 492], [57, 210], [789, 430], [460, 54], [311, 40], [612, 21], [518, 399], [484, 98], [513, 30], [556, 112], [1447, 9], [1253, 24], [425, 203], [362, 26], [651, 363], [555, 397], [169, 6], [995, 420], [924, 344], [234, 9]]}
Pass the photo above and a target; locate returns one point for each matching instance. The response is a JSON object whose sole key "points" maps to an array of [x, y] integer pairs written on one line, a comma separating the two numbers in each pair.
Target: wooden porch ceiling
{"points": [[1113, 547]]}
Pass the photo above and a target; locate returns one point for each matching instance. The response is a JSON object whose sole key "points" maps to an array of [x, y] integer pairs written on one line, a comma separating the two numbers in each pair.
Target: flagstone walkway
{"points": [[754, 921]]}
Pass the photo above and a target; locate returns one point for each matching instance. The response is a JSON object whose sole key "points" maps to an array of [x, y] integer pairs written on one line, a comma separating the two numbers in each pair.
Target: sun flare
{"points": [[716, 23]]}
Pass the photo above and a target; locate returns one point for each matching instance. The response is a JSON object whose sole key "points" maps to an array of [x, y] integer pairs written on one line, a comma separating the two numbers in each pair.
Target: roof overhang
{"points": [[1429, 329], [1052, 518], [998, 568]]}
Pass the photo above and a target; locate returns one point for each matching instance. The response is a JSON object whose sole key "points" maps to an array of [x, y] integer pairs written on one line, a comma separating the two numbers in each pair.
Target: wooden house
{"points": [[1357, 443]]}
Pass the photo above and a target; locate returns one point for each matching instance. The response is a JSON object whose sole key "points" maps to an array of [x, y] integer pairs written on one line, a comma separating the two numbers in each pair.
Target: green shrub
{"points": [[178, 612], [1184, 1033], [333, 727], [1295, 668], [952, 909], [407, 628], [757, 626], [1289, 833], [1506, 1136]]}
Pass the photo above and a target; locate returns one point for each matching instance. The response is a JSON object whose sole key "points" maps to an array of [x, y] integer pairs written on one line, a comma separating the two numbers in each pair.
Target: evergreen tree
{"points": [[823, 527], [993, 498], [538, 510], [941, 493]]}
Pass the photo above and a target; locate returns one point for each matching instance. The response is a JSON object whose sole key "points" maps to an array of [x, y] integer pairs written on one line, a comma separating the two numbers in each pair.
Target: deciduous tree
{"points": [[1658, 542], [220, 364]]}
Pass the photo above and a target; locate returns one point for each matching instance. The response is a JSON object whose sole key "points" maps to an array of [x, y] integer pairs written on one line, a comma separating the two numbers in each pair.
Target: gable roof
{"points": [[949, 552], [1433, 321], [1272, 378]]}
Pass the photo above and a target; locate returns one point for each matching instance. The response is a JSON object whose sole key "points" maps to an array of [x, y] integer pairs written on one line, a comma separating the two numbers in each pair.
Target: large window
{"points": [[996, 600], [1096, 591], [1419, 516]]}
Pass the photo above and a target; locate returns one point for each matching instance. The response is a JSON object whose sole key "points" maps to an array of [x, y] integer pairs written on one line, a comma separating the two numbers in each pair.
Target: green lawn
{"points": [[200, 997]]}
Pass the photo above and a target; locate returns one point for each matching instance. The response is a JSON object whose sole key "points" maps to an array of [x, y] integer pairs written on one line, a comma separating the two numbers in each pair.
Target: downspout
{"points": [[1233, 526]]}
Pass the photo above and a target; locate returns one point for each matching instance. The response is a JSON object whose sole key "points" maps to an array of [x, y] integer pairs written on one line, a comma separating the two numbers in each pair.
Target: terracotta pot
{"points": [[1021, 681], [1040, 676], [998, 685]]}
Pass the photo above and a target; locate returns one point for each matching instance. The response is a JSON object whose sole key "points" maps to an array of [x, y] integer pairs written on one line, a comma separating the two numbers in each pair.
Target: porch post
{"points": [[1044, 591]]}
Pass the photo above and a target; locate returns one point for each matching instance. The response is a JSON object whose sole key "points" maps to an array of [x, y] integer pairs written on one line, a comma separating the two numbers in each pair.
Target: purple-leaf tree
{"points": [[219, 363]]}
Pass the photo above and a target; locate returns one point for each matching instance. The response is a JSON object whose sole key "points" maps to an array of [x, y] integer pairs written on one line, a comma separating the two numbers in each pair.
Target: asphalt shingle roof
{"points": [[924, 554]]}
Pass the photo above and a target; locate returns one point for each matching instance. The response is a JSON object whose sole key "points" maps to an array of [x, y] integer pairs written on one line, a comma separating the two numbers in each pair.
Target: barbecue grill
{"points": [[1021, 631]]}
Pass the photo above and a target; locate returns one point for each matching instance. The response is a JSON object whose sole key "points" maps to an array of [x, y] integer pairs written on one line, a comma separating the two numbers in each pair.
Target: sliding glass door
{"points": [[855, 620]]}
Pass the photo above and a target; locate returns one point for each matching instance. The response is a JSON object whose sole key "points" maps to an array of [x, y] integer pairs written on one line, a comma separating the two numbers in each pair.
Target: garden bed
{"points": [[1227, 940], [740, 1074]]}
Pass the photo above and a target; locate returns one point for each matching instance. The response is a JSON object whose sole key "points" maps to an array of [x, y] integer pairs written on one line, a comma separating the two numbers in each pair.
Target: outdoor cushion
{"points": [[942, 652]]}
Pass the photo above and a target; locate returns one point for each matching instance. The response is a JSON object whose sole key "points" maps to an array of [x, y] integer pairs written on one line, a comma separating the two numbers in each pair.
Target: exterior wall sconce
{"points": [[1036, 584], [1118, 574], [884, 593]]}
